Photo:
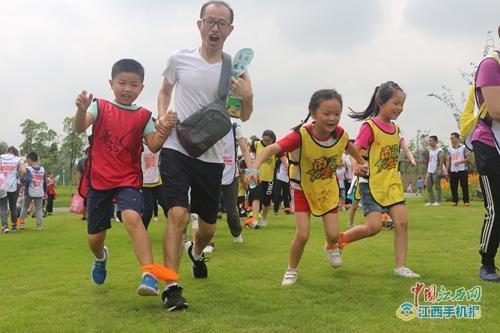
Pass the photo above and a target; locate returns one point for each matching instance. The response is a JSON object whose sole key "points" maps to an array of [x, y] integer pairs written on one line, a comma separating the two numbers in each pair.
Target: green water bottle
{"points": [[234, 104]]}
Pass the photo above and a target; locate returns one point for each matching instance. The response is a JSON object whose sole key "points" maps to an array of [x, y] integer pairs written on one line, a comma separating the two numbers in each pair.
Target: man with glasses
{"points": [[456, 164], [195, 73]]}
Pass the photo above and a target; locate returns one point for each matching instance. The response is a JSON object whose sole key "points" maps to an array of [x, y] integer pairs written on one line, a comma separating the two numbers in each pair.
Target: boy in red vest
{"points": [[114, 168]]}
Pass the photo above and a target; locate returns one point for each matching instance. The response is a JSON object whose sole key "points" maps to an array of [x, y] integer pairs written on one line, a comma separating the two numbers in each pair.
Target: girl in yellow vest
{"points": [[263, 192], [315, 151], [382, 190]]}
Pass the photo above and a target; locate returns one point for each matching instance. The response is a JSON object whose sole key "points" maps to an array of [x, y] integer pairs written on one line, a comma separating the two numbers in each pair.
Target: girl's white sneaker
{"points": [[291, 276], [406, 272]]}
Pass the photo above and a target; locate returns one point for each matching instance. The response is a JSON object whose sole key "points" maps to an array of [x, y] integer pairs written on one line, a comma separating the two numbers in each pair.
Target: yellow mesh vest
{"points": [[293, 166], [241, 186], [266, 169], [317, 172], [385, 183]]}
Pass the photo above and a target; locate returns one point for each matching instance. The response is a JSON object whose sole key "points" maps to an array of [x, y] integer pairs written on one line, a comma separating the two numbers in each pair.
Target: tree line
{"points": [[57, 153]]}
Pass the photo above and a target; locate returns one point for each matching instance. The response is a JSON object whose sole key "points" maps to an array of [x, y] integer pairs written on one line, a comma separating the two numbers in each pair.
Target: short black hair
{"points": [[218, 3], [127, 66], [456, 135], [270, 134], [433, 137], [32, 156]]}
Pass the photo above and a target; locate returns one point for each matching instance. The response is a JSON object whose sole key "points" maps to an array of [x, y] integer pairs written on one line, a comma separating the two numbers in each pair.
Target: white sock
{"points": [[196, 256], [170, 285], [104, 256]]}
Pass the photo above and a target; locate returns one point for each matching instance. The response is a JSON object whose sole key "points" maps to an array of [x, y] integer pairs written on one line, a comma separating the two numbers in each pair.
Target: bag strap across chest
{"points": [[225, 74]]}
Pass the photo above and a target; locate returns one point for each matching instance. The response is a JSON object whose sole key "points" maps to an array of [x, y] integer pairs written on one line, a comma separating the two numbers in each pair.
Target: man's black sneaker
{"points": [[172, 299], [199, 267]]}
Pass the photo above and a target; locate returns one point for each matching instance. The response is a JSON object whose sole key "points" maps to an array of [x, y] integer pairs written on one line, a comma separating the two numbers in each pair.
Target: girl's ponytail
{"points": [[297, 128], [371, 110], [382, 94]]}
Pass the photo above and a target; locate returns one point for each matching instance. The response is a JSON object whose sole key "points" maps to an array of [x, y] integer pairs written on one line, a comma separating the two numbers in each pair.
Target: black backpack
{"points": [[212, 122]]}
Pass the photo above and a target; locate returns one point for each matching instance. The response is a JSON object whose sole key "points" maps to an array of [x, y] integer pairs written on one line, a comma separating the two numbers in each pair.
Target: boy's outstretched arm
{"points": [[359, 165], [164, 126], [83, 119]]}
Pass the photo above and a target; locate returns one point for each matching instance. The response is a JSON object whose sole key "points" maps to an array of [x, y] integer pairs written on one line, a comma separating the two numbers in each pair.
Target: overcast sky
{"points": [[54, 49]]}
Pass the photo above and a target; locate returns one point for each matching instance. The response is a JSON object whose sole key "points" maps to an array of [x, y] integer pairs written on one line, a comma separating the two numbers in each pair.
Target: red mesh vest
{"points": [[115, 150]]}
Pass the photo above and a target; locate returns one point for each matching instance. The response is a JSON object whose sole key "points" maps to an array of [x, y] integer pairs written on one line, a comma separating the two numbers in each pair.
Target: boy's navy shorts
{"points": [[100, 203]]}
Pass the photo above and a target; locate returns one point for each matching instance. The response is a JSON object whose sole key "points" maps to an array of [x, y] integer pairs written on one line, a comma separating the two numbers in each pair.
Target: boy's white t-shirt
{"points": [[341, 176], [348, 166], [282, 173], [150, 166], [229, 157], [196, 84]]}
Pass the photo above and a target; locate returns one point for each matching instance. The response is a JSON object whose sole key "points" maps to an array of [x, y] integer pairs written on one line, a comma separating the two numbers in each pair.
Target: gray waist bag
{"points": [[212, 122]]}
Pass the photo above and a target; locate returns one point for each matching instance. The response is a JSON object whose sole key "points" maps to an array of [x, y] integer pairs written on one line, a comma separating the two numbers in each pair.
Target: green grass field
{"points": [[46, 285], [64, 194]]}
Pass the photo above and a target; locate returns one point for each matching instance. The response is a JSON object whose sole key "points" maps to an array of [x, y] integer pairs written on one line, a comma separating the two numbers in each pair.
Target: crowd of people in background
{"points": [[28, 190], [136, 162]]}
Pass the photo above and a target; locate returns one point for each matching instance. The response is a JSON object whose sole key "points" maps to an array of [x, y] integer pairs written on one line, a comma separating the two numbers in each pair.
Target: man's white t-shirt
{"points": [[434, 154], [9, 166], [196, 84], [457, 154]]}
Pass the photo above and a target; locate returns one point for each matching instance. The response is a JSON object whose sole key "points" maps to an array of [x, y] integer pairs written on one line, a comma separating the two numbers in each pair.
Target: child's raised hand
{"points": [[162, 125], [83, 101], [166, 122]]}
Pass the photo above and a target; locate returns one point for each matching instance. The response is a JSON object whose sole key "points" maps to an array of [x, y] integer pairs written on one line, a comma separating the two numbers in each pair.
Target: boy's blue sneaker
{"points": [[99, 269], [148, 286], [489, 273]]}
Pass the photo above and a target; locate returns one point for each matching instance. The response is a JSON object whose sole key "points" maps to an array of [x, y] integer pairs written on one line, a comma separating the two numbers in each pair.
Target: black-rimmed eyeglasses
{"points": [[210, 22]]}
